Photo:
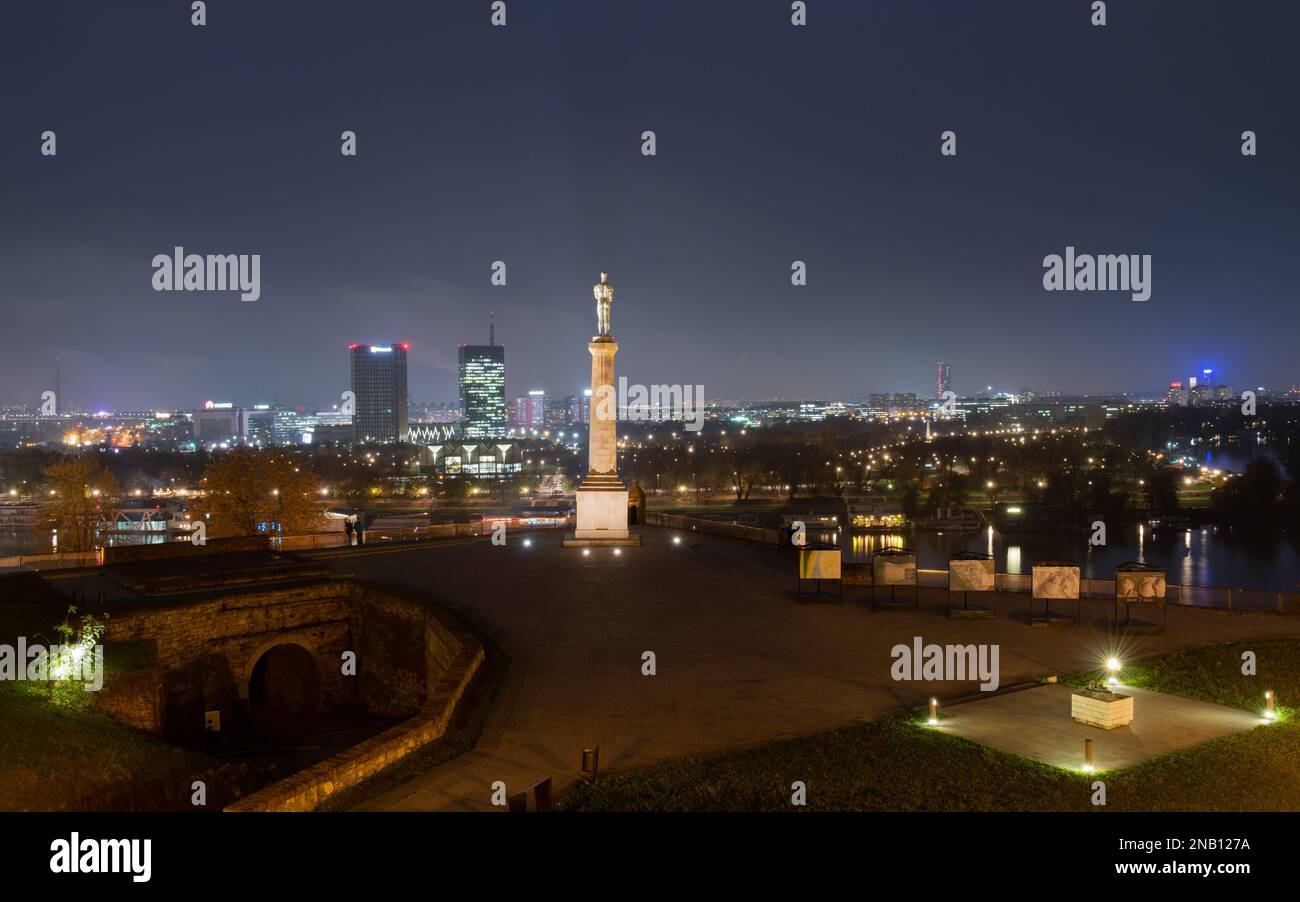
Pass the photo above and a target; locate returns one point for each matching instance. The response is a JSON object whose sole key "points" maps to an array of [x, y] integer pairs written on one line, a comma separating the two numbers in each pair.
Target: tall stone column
{"points": [[602, 432], [602, 497]]}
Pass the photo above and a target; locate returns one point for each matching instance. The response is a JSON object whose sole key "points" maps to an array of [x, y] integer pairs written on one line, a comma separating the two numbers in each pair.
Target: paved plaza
{"points": [[1036, 723], [739, 660]]}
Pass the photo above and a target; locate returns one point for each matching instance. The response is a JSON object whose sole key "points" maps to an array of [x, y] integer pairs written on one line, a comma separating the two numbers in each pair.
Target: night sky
{"points": [[522, 144]]}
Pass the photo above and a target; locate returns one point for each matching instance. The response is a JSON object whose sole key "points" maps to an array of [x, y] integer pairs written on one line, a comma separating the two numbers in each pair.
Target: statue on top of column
{"points": [[604, 293]]}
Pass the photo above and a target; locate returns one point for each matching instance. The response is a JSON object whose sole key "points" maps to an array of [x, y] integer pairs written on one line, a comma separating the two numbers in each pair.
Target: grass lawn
{"points": [[897, 764], [60, 759]]}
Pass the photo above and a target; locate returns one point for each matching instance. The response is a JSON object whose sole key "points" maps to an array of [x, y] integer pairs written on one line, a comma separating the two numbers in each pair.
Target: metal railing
{"points": [[771, 537], [50, 561], [306, 542], [378, 536]]}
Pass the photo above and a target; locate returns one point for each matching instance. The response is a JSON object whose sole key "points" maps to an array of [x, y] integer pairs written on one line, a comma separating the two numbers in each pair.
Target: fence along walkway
{"points": [[50, 561], [1228, 599]]}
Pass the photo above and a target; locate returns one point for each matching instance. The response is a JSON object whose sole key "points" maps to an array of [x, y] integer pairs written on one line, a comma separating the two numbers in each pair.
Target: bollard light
{"points": [[1087, 756], [591, 761], [934, 711], [1269, 713]]}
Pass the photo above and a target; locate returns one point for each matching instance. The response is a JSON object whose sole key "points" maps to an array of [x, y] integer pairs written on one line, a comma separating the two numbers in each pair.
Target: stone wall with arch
{"points": [[204, 653]]}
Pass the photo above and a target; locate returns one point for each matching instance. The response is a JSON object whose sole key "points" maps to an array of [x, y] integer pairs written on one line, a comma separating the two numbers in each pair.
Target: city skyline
{"points": [[69, 403], [828, 156]]}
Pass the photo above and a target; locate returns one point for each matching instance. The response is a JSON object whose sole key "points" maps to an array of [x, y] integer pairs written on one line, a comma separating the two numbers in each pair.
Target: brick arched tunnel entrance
{"points": [[284, 680]]}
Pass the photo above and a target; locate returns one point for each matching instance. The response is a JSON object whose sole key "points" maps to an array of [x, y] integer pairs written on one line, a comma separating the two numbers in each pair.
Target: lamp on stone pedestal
{"points": [[1114, 666]]}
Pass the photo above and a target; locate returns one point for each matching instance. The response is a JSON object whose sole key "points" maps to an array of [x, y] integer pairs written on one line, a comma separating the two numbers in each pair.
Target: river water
{"points": [[23, 541], [27, 541]]}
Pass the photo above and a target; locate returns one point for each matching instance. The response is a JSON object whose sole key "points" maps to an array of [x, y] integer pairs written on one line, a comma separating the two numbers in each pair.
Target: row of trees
{"points": [[1259, 495], [351, 473], [83, 494], [248, 490], [1111, 471], [1065, 470], [243, 492], [23, 471]]}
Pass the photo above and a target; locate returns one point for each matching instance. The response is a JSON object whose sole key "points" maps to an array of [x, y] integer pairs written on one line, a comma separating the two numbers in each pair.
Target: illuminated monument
{"points": [[602, 497]]}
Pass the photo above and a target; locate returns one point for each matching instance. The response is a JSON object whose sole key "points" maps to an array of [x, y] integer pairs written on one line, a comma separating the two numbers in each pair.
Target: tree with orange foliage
{"points": [[83, 489], [248, 486]]}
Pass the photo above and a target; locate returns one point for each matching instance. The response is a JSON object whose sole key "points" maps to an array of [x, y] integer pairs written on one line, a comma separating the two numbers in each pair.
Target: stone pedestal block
{"points": [[1101, 709], [602, 514]]}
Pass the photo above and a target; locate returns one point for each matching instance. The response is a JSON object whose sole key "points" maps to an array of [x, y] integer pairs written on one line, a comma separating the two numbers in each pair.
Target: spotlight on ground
{"points": [[677, 540], [617, 552], [586, 552]]}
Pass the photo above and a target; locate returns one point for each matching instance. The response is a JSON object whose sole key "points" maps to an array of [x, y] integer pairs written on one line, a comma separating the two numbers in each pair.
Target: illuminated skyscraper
{"points": [[379, 393], [483, 389], [944, 381]]}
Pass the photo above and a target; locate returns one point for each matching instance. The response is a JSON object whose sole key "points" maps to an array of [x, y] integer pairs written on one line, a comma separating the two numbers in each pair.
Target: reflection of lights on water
{"points": [[864, 545], [1013, 558], [990, 552]]}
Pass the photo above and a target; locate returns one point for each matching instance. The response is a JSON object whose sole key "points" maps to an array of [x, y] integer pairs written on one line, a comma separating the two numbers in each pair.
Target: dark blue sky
{"points": [[522, 144]]}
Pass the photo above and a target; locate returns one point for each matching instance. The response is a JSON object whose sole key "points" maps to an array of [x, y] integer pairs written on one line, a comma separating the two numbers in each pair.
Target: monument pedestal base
{"points": [[628, 540], [602, 514]]}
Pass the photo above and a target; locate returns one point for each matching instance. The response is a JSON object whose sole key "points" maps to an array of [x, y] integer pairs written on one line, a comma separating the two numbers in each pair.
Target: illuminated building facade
{"points": [[530, 412], [578, 409], [483, 390], [943, 380], [379, 393]]}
